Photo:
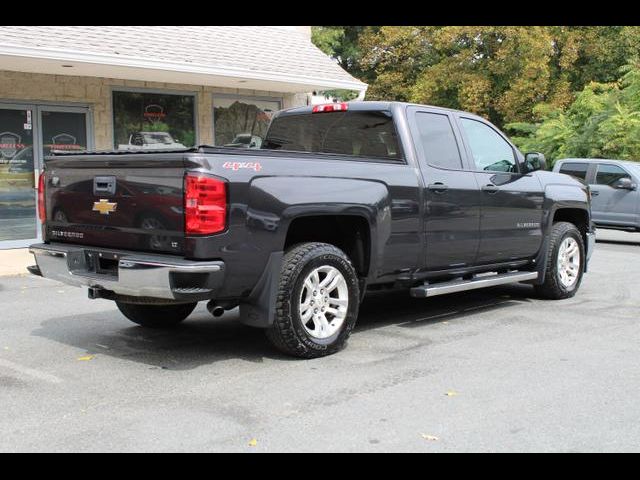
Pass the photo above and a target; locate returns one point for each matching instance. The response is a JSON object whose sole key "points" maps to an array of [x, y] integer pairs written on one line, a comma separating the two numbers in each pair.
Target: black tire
{"points": [[553, 288], [287, 332], [156, 316]]}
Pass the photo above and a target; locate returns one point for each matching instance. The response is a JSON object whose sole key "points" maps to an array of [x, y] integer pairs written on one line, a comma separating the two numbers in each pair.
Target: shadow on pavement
{"points": [[400, 309], [619, 242], [203, 340]]}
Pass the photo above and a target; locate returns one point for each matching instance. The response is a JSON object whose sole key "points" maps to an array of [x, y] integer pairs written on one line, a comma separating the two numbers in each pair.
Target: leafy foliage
{"points": [[500, 72], [562, 90], [602, 122]]}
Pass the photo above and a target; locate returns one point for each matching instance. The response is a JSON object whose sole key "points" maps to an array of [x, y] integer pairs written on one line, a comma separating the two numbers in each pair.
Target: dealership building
{"points": [[145, 87]]}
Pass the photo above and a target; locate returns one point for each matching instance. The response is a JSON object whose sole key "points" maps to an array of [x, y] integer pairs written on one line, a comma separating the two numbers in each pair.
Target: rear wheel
{"points": [[156, 316], [318, 300], [565, 262]]}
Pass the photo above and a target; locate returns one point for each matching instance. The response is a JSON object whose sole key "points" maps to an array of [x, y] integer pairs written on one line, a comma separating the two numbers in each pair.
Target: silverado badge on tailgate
{"points": [[105, 207]]}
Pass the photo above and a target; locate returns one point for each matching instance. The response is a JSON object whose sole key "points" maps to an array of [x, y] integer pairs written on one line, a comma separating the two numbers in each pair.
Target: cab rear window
{"points": [[363, 134], [576, 170]]}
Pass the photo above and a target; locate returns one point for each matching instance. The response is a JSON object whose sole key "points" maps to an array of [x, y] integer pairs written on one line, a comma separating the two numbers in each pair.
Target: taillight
{"points": [[205, 204], [331, 107], [42, 209]]}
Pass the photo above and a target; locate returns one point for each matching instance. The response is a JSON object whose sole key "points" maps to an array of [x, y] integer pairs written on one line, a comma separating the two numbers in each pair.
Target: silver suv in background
{"points": [[615, 197]]}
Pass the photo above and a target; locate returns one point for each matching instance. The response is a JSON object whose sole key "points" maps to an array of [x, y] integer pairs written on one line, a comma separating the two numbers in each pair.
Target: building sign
{"points": [[154, 113]]}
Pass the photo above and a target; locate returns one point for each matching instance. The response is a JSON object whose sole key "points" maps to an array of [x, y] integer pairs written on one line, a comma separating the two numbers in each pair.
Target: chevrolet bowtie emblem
{"points": [[105, 207]]}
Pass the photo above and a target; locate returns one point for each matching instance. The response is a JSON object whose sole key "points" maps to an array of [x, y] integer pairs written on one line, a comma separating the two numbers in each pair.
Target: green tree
{"points": [[501, 72], [602, 122], [342, 44]]}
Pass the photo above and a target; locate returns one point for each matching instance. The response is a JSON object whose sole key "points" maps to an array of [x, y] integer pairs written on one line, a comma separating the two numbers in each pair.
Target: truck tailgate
{"points": [[132, 202]]}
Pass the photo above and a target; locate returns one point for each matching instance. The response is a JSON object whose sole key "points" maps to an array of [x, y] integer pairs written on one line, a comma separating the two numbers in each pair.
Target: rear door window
{"points": [[438, 141], [576, 170], [369, 134]]}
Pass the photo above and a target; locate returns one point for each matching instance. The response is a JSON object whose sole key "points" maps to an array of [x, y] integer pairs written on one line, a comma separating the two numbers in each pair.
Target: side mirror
{"points": [[625, 183], [534, 161]]}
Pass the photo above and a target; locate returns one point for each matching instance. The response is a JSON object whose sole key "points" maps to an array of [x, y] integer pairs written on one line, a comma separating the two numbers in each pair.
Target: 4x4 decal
{"points": [[235, 166]]}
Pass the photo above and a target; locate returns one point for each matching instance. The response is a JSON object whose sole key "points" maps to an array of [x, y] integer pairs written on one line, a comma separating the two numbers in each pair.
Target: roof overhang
{"points": [[51, 61]]}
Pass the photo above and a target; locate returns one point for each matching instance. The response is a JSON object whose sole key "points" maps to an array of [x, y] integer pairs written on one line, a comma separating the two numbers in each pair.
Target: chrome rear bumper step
{"points": [[442, 288]]}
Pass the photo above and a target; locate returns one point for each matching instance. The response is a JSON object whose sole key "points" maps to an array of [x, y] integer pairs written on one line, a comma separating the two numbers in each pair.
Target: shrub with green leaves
{"points": [[602, 122]]}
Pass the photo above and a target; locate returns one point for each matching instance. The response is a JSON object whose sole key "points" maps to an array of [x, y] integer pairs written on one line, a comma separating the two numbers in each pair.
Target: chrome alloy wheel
{"points": [[569, 262], [323, 302]]}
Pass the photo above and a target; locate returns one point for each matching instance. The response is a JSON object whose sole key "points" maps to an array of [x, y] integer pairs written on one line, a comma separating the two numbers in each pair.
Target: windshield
{"points": [[155, 138]]}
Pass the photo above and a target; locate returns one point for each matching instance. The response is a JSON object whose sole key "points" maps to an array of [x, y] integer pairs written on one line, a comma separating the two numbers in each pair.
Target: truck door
{"points": [[451, 195], [511, 213], [612, 205]]}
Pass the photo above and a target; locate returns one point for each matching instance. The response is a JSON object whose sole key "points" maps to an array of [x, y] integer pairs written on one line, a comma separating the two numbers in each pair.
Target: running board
{"points": [[431, 290]]}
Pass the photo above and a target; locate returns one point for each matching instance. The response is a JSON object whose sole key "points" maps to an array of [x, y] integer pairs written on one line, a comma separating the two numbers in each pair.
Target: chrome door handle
{"points": [[491, 189], [438, 187]]}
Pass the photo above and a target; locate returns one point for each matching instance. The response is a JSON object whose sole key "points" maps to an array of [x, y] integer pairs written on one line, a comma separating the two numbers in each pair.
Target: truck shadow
{"points": [[619, 242], [399, 309], [203, 340]]}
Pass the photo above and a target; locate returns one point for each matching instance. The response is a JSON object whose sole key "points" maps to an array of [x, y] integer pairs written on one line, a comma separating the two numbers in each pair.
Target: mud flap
{"points": [[259, 309], [541, 262]]}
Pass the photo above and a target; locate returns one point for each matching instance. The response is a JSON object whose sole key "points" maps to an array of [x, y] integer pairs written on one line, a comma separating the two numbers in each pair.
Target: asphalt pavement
{"points": [[492, 370]]}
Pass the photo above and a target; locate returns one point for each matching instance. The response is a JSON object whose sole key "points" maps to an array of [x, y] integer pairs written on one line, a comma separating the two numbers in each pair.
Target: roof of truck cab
{"points": [[598, 160], [371, 105]]}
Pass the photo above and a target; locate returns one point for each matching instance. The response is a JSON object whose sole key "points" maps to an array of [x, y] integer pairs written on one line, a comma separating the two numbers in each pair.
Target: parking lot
{"points": [[491, 370]]}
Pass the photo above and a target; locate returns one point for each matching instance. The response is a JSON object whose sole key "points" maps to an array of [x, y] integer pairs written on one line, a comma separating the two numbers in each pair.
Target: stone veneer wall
{"points": [[96, 93]]}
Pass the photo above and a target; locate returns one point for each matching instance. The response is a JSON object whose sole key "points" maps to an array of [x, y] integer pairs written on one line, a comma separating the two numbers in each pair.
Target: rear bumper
{"points": [[130, 274]]}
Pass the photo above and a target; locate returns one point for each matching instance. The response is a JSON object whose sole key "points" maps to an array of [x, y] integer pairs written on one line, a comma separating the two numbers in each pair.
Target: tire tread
{"points": [[282, 333], [551, 288]]}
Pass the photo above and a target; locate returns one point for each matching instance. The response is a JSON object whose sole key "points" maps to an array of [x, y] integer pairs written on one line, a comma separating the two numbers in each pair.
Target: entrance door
{"points": [[63, 128], [18, 212], [27, 134]]}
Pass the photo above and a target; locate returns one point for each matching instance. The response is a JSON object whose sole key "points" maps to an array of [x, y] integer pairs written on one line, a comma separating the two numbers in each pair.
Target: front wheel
{"points": [[156, 316], [317, 303], [565, 262]]}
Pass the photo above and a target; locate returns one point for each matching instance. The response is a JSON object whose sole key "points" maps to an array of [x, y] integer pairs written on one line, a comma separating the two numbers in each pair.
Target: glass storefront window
{"points": [[28, 133], [63, 131], [242, 121], [17, 198], [153, 121]]}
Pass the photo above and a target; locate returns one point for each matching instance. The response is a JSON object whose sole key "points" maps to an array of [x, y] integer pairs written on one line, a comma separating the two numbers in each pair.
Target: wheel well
{"points": [[580, 218], [350, 233]]}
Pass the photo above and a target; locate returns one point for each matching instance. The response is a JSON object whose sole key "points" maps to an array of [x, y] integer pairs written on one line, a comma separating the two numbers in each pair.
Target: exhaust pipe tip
{"points": [[214, 309]]}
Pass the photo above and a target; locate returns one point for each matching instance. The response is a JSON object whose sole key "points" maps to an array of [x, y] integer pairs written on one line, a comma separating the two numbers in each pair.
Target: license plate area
{"points": [[102, 263]]}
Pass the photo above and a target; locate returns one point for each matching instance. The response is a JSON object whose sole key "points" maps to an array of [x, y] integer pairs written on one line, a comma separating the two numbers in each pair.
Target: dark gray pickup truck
{"points": [[340, 200]]}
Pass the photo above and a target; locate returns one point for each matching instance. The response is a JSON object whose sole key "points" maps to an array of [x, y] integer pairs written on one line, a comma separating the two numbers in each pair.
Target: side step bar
{"points": [[442, 288]]}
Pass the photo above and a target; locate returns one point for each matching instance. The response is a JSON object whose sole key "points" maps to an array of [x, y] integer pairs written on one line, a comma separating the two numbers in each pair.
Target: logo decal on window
{"points": [[10, 144], [154, 113], [64, 141]]}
